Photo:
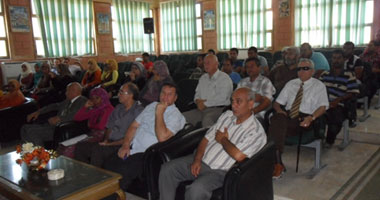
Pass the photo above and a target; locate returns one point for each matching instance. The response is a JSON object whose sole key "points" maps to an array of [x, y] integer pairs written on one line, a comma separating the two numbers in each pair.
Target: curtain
{"points": [[129, 29], [66, 27], [178, 25], [327, 23], [244, 23]]}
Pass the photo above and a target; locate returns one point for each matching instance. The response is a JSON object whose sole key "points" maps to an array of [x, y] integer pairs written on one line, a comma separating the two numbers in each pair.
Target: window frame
{"points": [[5, 39]]}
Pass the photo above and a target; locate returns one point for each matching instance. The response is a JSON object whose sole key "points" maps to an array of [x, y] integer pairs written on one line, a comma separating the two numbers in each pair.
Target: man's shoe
{"points": [[278, 170]]}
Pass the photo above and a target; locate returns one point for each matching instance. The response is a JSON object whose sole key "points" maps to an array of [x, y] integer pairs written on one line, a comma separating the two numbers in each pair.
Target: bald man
{"points": [[39, 133], [212, 94]]}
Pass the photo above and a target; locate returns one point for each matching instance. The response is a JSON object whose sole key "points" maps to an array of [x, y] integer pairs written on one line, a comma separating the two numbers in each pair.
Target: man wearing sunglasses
{"points": [[300, 102]]}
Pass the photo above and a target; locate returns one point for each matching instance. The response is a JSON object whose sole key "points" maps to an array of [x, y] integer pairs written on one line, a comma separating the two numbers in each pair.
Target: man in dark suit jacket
{"points": [[38, 133]]}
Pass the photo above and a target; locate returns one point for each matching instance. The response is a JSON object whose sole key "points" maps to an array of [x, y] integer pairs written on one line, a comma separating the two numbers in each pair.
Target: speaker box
{"points": [[148, 25]]}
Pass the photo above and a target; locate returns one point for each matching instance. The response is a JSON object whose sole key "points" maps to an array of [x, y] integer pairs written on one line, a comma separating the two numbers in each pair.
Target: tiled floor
{"points": [[344, 176]]}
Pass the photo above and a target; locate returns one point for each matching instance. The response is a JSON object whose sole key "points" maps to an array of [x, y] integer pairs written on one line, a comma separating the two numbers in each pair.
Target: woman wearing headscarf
{"points": [[26, 76], [96, 110], [92, 77], [110, 75], [151, 91], [13, 97], [137, 75]]}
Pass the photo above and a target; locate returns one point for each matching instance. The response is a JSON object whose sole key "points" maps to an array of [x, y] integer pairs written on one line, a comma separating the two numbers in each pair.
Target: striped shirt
{"points": [[339, 86], [249, 137], [262, 86]]}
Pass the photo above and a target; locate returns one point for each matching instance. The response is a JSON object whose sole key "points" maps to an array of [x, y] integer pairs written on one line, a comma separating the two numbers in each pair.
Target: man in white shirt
{"points": [[236, 136], [304, 100], [212, 94]]}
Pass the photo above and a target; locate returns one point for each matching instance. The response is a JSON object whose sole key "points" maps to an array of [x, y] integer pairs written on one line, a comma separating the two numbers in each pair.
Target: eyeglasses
{"points": [[303, 68], [122, 92]]}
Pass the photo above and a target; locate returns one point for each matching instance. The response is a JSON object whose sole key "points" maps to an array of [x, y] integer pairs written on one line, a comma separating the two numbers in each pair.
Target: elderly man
{"points": [[38, 133], [285, 71], [158, 122], [320, 62], [341, 86], [212, 94], [261, 85], [236, 136], [304, 100], [119, 121]]}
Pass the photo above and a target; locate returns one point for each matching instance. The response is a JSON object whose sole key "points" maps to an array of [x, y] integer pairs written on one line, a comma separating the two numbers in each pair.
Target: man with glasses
{"points": [[300, 102], [119, 121]]}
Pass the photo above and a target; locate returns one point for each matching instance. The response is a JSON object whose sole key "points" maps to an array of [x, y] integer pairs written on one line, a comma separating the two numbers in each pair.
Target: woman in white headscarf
{"points": [[26, 76]]}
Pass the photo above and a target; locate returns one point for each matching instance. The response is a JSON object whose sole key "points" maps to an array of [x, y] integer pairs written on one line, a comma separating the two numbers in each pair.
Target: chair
{"points": [[268, 56], [365, 115], [378, 100], [12, 119], [346, 136], [66, 130], [249, 179], [277, 56], [186, 92]]}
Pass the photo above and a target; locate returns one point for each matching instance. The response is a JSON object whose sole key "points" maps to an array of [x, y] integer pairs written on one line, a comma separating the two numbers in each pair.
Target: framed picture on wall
{"points": [[209, 20], [103, 21], [19, 19]]}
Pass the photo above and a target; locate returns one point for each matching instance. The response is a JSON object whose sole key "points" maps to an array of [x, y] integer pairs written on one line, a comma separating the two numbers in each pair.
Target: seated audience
{"points": [[44, 86], [260, 85], [54, 67], [353, 62], [38, 133], [13, 97], [137, 75], [199, 68], [158, 122], [371, 55], [237, 135], [97, 111], [151, 91], [37, 74], [320, 62], [147, 64], [92, 77], [341, 85], [110, 75], [304, 100], [237, 64], [118, 122], [26, 77], [252, 53], [285, 71], [227, 68], [212, 94], [75, 66], [211, 51]]}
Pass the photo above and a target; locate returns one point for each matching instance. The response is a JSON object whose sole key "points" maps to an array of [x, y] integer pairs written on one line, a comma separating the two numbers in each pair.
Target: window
{"points": [[66, 27], [244, 23], [332, 23], [37, 33], [128, 27], [179, 26], [3, 35], [198, 15]]}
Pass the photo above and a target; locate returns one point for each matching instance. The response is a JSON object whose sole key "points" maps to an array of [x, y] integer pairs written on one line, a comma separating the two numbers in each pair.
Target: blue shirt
{"points": [[145, 134], [320, 61], [235, 77]]}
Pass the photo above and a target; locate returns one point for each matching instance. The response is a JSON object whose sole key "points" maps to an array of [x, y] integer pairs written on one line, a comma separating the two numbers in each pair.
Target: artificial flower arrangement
{"points": [[35, 157]]}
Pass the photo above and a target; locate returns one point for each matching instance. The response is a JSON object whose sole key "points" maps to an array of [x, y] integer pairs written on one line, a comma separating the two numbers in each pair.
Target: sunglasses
{"points": [[303, 68]]}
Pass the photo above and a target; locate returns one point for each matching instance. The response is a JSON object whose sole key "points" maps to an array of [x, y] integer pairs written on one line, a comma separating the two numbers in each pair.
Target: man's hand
{"points": [[161, 107], [219, 136], [124, 151], [334, 103], [104, 143], [306, 121], [32, 116], [196, 167], [200, 104], [54, 120], [282, 112]]}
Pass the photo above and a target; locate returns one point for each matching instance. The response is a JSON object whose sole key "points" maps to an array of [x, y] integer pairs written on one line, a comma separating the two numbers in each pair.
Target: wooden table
{"points": [[81, 181]]}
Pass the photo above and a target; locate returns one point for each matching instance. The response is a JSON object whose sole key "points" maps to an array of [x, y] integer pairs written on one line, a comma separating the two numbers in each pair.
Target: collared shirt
{"points": [[262, 86], [145, 134], [352, 63], [249, 137], [339, 86], [314, 95], [238, 63], [75, 98], [235, 77], [120, 120], [280, 75], [320, 61], [216, 90]]}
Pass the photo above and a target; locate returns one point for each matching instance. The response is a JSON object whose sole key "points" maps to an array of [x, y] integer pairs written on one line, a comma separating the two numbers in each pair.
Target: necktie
{"points": [[294, 110]]}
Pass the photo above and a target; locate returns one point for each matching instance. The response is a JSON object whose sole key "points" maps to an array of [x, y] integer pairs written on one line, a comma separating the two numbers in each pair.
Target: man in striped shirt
{"points": [[236, 135], [341, 86]]}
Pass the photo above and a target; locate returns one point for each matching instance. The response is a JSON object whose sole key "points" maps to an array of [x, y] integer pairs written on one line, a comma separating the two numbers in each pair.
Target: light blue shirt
{"points": [[145, 134], [235, 77], [320, 61]]}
